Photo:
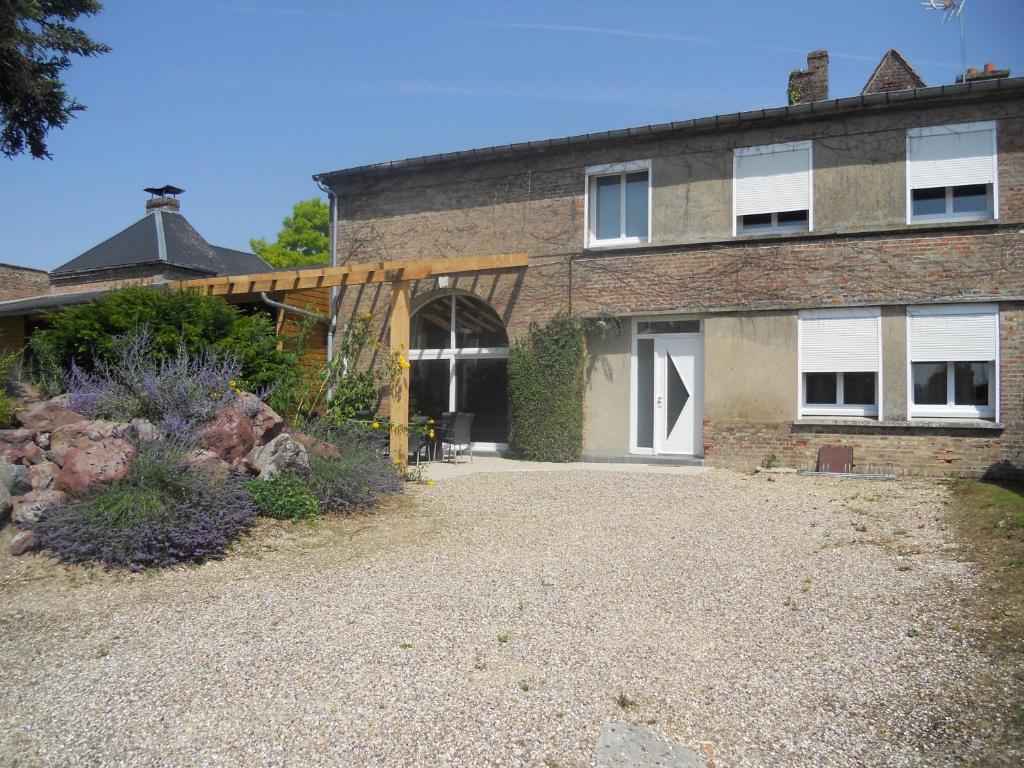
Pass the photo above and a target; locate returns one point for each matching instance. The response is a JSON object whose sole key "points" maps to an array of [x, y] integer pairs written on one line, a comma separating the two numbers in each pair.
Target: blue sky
{"points": [[241, 101]]}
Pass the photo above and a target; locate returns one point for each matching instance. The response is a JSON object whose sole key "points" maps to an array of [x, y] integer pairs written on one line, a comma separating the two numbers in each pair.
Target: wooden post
{"points": [[399, 322]]}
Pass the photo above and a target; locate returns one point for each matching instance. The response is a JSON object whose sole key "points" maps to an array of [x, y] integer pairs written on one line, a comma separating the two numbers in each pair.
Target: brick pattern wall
{"points": [[893, 74], [21, 282]]}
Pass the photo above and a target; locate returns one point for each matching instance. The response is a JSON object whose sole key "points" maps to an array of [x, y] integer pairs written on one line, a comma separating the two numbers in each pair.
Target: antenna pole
{"points": [[963, 49]]}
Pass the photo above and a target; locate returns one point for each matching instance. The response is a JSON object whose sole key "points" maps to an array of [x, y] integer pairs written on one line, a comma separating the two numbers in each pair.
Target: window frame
{"points": [[951, 410], [774, 228], [592, 173], [992, 214], [839, 409], [766, 149]]}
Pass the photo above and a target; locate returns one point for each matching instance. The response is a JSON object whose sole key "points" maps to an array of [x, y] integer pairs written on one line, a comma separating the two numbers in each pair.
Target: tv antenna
{"points": [[952, 9]]}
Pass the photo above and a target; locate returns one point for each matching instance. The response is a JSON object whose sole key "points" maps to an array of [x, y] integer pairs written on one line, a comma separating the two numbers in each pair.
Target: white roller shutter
{"points": [[951, 155], [839, 340], [773, 179], [962, 332]]}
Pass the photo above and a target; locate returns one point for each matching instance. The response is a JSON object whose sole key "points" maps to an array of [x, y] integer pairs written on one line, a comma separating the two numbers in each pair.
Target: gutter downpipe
{"points": [[289, 308], [332, 322]]}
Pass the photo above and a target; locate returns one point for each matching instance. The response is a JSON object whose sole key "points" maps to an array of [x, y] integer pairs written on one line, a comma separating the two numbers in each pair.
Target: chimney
{"points": [[988, 73], [163, 198], [810, 84]]}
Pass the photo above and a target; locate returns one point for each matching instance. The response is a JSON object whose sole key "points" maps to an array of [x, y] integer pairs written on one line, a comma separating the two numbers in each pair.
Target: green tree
{"points": [[303, 237], [36, 45]]}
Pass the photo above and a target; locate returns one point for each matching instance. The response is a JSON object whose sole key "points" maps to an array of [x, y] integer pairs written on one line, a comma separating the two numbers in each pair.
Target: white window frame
{"points": [[838, 409], [774, 228], [590, 239], [992, 214], [951, 410], [764, 149]]}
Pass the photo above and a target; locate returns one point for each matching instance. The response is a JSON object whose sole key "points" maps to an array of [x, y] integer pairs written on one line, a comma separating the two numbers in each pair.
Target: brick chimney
{"points": [[810, 84], [163, 198], [988, 73]]}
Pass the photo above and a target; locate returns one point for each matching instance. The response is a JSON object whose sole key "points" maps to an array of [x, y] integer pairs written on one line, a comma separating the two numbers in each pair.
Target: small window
{"points": [[787, 221], [840, 356], [667, 326], [772, 190], [953, 349], [951, 173], [619, 203]]}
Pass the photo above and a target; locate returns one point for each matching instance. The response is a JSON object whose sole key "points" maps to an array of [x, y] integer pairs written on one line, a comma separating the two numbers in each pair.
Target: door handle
{"points": [[659, 401]]}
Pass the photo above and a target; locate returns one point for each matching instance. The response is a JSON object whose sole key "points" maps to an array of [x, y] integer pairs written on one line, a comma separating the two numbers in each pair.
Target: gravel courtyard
{"points": [[502, 619]]}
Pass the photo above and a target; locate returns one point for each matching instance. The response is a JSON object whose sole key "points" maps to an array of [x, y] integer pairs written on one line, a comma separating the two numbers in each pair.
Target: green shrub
{"points": [[285, 497], [545, 391], [87, 335], [8, 405]]}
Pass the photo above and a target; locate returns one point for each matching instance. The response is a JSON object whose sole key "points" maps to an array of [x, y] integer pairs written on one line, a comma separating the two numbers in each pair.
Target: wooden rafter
{"points": [[350, 274]]}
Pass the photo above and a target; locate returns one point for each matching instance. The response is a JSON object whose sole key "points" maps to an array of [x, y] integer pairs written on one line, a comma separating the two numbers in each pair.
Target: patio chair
{"points": [[459, 437], [418, 444]]}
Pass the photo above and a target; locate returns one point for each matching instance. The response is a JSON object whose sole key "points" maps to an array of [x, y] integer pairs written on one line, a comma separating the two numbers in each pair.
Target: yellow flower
{"points": [[431, 482], [376, 425], [368, 316], [403, 363], [430, 434], [430, 421], [378, 343]]}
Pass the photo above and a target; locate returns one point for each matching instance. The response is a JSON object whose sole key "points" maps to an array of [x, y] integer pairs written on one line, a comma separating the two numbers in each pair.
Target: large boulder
{"points": [[22, 542], [313, 445], [101, 462], [18, 446], [229, 435], [81, 435], [282, 454], [42, 476], [30, 507], [6, 503], [16, 478], [266, 424], [204, 459], [47, 416]]}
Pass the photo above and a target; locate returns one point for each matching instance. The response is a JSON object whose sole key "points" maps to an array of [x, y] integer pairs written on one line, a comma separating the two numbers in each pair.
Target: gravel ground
{"points": [[503, 619]]}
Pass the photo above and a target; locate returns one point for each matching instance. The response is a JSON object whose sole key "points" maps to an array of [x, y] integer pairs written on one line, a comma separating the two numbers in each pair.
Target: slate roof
{"points": [[162, 237]]}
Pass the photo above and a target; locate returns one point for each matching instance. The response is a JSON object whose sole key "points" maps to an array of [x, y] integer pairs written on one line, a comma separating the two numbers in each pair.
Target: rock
{"points": [[18, 446], [100, 462], [266, 424], [42, 475], [282, 454], [313, 445], [6, 503], [25, 391], [203, 459], [621, 745], [15, 478], [51, 456], [42, 439], [22, 542], [229, 435], [31, 506], [82, 434], [47, 416], [146, 430]]}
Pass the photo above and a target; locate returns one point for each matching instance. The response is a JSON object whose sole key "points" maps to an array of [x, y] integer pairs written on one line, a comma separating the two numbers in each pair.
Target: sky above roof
{"points": [[240, 101]]}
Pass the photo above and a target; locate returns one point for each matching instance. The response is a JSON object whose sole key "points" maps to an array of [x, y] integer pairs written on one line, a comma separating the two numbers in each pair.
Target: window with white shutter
{"points": [[772, 188], [840, 360], [951, 173], [953, 354]]}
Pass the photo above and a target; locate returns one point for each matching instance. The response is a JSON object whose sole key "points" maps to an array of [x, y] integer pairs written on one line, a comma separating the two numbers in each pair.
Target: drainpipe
{"points": [[332, 322], [295, 310]]}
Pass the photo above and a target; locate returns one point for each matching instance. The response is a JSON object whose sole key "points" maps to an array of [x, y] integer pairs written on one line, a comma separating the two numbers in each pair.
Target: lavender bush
{"points": [[359, 478], [164, 512], [178, 393]]}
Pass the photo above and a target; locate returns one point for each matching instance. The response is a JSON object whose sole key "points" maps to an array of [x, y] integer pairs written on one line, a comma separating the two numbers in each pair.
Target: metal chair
{"points": [[459, 437]]}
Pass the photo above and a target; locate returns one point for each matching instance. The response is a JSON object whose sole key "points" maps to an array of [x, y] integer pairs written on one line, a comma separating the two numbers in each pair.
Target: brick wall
{"points": [[21, 282]]}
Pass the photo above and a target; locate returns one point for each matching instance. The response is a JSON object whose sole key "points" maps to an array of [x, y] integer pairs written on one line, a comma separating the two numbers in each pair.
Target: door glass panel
{"points": [[636, 205], [608, 207], [477, 325], [644, 393], [483, 391], [929, 383], [428, 388], [676, 394], [432, 324], [970, 381]]}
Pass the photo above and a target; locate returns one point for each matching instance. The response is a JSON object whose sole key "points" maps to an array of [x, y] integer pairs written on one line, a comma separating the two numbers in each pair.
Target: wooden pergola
{"points": [[399, 273]]}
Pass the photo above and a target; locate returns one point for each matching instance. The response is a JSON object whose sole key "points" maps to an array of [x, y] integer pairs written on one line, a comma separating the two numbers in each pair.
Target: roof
{"points": [[162, 236], [812, 109], [47, 301], [893, 73]]}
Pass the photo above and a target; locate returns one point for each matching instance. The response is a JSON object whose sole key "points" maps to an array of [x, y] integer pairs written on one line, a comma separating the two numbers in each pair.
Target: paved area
{"points": [[506, 619], [446, 470]]}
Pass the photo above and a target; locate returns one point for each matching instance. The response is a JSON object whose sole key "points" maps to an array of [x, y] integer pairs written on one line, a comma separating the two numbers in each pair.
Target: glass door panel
{"points": [[483, 390]]}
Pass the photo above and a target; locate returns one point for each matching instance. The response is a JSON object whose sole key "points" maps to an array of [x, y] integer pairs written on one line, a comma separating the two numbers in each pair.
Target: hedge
{"points": [[545, 389]]}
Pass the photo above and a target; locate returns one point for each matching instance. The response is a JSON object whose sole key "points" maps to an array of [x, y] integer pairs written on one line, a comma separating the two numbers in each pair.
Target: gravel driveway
{"points": [[503, 619]]}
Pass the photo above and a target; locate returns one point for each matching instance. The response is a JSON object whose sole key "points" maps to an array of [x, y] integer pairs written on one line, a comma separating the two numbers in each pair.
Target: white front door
{"points": [[678, 396]]}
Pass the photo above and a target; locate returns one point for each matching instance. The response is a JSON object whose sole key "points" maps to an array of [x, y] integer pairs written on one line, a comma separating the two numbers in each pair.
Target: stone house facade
{"points": [[730, 260]]}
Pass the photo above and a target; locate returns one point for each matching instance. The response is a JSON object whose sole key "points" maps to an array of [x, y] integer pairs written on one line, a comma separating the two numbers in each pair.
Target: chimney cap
{"points": [[990, 66], [164, 191]]}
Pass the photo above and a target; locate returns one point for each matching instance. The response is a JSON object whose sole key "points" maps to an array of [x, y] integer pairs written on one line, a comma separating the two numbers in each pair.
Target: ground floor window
{"points": [[840, 361]]}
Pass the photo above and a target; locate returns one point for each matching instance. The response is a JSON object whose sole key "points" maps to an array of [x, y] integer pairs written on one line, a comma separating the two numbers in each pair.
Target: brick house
{"points": [[835, 271]]}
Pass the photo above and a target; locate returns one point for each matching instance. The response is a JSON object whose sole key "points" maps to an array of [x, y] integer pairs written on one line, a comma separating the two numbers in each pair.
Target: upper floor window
{"points": [[772, 189], [840, 353], [619, 203], [953, 352], [951, 173]]}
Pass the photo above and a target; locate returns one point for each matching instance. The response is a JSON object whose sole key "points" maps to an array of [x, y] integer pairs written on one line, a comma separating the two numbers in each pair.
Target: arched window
{"points": [[459, 354]]}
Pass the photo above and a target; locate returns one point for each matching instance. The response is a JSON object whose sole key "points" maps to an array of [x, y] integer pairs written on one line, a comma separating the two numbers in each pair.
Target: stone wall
{"points": [[21, 282]]}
